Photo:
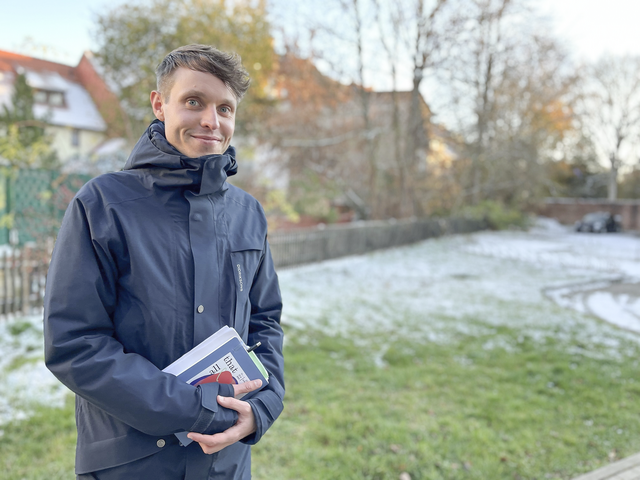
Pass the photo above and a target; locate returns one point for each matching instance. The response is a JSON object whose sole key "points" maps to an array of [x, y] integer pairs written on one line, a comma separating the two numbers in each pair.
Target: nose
{"points": [[210, 119]]}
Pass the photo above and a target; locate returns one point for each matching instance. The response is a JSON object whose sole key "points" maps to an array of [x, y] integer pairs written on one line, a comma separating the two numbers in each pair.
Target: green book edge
{"points": [[258, 363]]}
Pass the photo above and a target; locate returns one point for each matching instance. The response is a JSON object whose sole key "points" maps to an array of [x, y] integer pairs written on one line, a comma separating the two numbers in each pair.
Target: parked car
{"points": [[599, 222]]}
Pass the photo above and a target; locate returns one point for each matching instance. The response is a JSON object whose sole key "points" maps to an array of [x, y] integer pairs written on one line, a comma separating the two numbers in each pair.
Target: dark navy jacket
{"points": [[149, 262]]}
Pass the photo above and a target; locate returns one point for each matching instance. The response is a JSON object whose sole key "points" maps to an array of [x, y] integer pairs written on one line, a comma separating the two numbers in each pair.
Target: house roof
{"points": [[79, 111], [10, 61]]}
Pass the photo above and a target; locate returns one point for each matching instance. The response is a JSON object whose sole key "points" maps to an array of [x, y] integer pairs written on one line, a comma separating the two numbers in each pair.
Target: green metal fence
{"points": [[32, 203]]}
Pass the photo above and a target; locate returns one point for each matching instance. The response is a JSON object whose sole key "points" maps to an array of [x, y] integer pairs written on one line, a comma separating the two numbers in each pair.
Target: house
{"points": [[356, 145], [82, 114]]}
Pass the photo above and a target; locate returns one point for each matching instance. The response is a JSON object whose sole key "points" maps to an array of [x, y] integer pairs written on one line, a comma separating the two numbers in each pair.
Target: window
{"points": [[56, 99], [75, 137], [48, 97], [40, 96]]}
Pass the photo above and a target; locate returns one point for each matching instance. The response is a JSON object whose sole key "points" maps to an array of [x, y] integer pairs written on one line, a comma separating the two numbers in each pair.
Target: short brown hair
{"points": [[204, 58]]}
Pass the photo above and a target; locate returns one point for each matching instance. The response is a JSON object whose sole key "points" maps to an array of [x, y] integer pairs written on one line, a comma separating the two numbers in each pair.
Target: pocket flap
{"points": [[247, 242]]}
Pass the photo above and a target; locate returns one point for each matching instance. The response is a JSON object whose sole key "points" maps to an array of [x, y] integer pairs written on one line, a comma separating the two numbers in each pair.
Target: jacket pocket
{"points": [[245, 264]]}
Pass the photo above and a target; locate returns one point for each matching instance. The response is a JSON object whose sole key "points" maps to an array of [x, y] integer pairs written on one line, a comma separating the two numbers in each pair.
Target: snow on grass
{"points": [[443, 288], [24, 380], [627, 309], [604, 253], [439, 290]]}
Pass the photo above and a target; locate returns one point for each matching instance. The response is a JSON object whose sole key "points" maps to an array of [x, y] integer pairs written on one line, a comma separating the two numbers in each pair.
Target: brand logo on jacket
{"points": [[240, 277]]}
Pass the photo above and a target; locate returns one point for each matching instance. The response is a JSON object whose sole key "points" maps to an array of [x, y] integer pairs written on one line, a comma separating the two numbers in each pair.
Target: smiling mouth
{"points": [[207, 139]]}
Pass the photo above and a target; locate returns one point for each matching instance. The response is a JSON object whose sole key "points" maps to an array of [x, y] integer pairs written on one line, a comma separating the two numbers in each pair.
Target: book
{"points": [[221, 358]]}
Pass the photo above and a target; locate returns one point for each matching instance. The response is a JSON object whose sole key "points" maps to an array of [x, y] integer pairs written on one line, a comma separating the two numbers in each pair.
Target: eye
{"points": [[193, 103], [225, 110]]}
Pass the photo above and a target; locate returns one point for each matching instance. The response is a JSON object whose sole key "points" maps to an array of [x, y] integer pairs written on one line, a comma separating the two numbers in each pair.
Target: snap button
{"points": [[161, 443], [196, 217], [200, 309]]}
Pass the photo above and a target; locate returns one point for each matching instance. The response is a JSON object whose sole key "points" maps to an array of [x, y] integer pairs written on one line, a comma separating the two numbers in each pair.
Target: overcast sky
{"points": [[592, 27]]}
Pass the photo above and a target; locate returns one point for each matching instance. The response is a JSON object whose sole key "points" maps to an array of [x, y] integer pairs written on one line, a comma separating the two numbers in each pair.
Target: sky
{"points": [[57, 31], [60, 30], [596, 27]]}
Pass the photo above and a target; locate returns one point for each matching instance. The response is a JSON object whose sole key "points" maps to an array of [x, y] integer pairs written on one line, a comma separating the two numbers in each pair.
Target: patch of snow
{"points": [[545, 284], [550, 226], [444, 288], [47, 80], [30, 384], [79, 112], [620, 310]]}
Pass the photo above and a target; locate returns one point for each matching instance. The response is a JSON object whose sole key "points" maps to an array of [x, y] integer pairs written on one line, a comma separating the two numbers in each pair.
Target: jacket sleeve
{"points": [[264, 327], [80, 345]]}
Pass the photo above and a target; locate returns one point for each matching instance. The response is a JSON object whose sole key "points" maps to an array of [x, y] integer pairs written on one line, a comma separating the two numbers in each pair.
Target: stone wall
{"points": [[315, 244]]}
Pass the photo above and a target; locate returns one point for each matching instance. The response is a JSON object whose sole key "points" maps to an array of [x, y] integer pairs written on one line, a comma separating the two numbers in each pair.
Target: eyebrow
{"points": [[198, 93]]}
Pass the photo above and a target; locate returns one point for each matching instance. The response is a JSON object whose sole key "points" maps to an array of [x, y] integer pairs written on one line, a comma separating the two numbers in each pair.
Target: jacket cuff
{"points": [[225, 390], [214, 418], [266, 407]]}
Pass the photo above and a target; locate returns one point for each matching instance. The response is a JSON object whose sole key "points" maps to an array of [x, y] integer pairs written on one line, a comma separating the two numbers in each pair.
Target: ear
{"points": [[157, 105]]}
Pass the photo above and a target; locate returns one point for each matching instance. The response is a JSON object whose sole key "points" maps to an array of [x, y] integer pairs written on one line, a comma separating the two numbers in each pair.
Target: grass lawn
{"points": [[427, 360], [434, 411], [451, 412], [41, 447]]}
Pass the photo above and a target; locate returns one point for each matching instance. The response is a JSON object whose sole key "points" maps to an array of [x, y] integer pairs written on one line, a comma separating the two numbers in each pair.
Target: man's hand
{"points": [[245, 425], [246, 387]]}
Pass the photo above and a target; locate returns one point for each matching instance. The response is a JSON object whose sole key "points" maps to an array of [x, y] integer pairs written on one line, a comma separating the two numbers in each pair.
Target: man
{"points": [[149, 262]]}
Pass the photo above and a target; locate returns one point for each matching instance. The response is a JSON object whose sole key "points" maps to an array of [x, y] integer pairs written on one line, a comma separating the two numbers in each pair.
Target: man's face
{"points": [[199, 113]]}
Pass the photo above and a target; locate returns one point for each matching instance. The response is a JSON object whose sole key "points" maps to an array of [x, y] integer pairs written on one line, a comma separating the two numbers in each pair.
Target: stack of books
{"points": [[221, 358]]}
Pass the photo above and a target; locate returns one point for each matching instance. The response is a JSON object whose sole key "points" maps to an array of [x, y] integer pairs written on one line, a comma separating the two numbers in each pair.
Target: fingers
{"points": [[245, 426], [234, 404], [246, 387], [206, 442], [199, 437], [214, 443]]}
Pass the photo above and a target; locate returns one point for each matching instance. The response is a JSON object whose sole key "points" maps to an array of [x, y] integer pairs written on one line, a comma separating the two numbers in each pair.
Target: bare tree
{"points": [[417, 34], [389, 23], [510, 90], [611, 112], [353, 9], [508, 81], [434, 28], [477, 68], [367, 43]]}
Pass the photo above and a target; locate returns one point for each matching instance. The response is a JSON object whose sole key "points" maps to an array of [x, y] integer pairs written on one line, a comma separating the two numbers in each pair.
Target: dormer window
{"points": [[48, 97]]}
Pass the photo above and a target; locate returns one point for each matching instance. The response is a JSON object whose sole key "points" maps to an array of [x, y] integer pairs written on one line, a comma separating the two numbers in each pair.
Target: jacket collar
{"points": [[169, 168]]}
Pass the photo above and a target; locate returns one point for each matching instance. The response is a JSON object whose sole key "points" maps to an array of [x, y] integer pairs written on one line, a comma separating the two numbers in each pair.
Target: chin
{"points": [[213, 151], [203, 153]]}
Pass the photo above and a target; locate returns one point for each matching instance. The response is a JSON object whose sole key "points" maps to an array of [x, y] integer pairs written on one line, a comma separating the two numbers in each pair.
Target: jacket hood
{"points": [[169, 168]]}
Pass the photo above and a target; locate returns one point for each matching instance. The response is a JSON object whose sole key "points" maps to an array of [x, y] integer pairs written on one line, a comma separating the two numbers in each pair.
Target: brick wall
{"points": [[569, 210]]}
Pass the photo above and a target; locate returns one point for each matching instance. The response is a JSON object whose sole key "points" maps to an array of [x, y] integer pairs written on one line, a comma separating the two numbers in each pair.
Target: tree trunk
{"points": [[370, 149], [612, 187], [415, 139]]}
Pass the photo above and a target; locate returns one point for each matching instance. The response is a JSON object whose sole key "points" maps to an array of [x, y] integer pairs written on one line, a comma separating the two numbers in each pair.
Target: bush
{"points": [[497, 215]]}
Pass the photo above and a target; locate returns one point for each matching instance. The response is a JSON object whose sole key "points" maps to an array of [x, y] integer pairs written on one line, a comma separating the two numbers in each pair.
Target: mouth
{"points": [[207, 139]]}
